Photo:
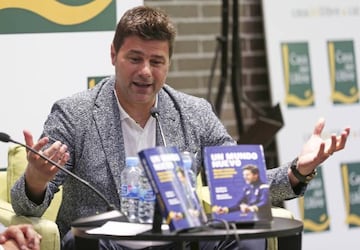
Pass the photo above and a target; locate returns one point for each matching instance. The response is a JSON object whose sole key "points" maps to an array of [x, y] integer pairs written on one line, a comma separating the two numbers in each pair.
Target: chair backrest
{"points": [[3, 185], [16, 166], [17, 163]]}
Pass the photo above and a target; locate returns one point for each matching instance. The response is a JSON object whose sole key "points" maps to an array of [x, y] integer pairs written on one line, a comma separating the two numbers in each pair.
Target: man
{"points": [[254, 200], [98, 128], [21, 236]]}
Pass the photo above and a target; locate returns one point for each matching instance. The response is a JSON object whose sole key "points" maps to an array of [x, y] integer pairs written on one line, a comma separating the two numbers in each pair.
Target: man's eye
{"points": [[156, 62], [134, 59]]}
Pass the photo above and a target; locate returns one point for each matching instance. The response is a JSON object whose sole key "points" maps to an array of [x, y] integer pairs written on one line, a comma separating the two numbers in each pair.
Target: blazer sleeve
{"points": [[280, 186]]}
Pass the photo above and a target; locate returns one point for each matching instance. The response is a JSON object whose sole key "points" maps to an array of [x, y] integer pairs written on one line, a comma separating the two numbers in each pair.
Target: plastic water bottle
{"points": [[146, 200], [129, 194], [188, 162]]}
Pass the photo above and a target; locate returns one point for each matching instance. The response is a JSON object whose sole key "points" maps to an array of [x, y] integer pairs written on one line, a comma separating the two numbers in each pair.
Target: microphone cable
{"points": [[230, 228], [220, 223], [237, 237]]}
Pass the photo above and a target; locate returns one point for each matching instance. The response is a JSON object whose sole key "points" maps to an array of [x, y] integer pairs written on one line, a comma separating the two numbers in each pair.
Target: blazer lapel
{"points": [[107, 118], [170, 121]]}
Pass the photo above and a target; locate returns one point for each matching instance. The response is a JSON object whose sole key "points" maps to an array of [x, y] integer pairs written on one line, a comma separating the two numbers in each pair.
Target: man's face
{"points": [[141, 68], [249, 177]]}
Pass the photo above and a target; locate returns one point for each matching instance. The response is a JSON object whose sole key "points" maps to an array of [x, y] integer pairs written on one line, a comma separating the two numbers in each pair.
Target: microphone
{"points": [[157, 218], [155, 113], [90, 221]]}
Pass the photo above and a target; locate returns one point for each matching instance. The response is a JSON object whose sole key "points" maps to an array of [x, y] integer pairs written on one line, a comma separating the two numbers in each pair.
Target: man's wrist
{"points": [[300, 177]]}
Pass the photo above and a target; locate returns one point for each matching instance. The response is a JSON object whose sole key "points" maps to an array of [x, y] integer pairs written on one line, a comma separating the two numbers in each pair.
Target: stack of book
{"points": [[236, 176]]}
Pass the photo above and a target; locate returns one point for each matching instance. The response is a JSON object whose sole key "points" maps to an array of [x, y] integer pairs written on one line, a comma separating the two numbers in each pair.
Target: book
{"points": [[178, 202], [236, 176]]}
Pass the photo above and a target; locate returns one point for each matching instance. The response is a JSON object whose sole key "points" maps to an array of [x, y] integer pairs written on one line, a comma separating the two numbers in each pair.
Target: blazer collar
{"points": [[170, 119], [107, 119]]}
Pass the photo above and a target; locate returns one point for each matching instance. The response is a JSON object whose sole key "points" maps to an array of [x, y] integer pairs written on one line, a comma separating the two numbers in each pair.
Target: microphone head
{"points": [[4, 137], [154, 112]]}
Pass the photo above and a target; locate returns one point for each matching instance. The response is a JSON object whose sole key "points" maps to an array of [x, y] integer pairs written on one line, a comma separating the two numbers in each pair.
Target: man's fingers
{"points": [[338, 142], [29, 141], [321, 151], [332, 148], [342, 139], [33, 238], [319, 127], [58, 153], [14, 232], [28, 138], [64, 159]]}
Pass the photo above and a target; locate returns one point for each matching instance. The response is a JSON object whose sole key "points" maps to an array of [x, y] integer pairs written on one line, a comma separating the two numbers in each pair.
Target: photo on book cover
{"points": [[236, 176], [178, 202]]}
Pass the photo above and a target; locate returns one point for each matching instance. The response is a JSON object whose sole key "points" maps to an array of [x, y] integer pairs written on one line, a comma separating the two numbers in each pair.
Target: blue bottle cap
{"points": [[132, 161]]}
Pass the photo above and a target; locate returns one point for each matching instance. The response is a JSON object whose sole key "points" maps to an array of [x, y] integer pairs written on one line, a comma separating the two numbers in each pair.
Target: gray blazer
{"points": [[89, 124]]}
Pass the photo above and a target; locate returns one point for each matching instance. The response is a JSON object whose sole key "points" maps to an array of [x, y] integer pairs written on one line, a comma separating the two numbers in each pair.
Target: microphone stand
{"points": [[157, 217]]}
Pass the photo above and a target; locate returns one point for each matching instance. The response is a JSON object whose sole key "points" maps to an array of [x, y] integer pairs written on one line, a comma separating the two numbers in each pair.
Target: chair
{"points": [[45, 225]]}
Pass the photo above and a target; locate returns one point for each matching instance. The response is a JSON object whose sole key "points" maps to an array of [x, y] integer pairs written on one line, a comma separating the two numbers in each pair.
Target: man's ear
{"points": [[113, 54]]}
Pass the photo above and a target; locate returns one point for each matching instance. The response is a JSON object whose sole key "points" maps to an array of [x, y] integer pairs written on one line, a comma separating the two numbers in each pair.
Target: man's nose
{"points": [[146, 70]]}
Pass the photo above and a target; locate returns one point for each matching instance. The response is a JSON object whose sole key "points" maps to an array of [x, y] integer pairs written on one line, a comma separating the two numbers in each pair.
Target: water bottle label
{"points": [[129, 191], [124, 190], [148, 195], [133, 192]]}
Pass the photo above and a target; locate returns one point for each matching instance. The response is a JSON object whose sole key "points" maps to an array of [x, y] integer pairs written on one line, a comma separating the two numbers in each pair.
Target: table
{"points": [[279, 227]]}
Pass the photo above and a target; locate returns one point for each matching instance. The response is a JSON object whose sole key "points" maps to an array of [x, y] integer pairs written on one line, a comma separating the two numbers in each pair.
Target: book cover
{"points": [[179, 204], [236, 177]]}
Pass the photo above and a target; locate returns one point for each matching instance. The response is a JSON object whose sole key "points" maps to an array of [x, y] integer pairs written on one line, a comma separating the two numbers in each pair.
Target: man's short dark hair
{"points": [[147, 23]]}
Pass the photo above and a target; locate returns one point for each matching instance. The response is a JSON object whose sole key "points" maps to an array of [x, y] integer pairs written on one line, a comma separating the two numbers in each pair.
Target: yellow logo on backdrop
{"points": [[297, 74], [93, 80], [57, 12], [343, 75]]}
